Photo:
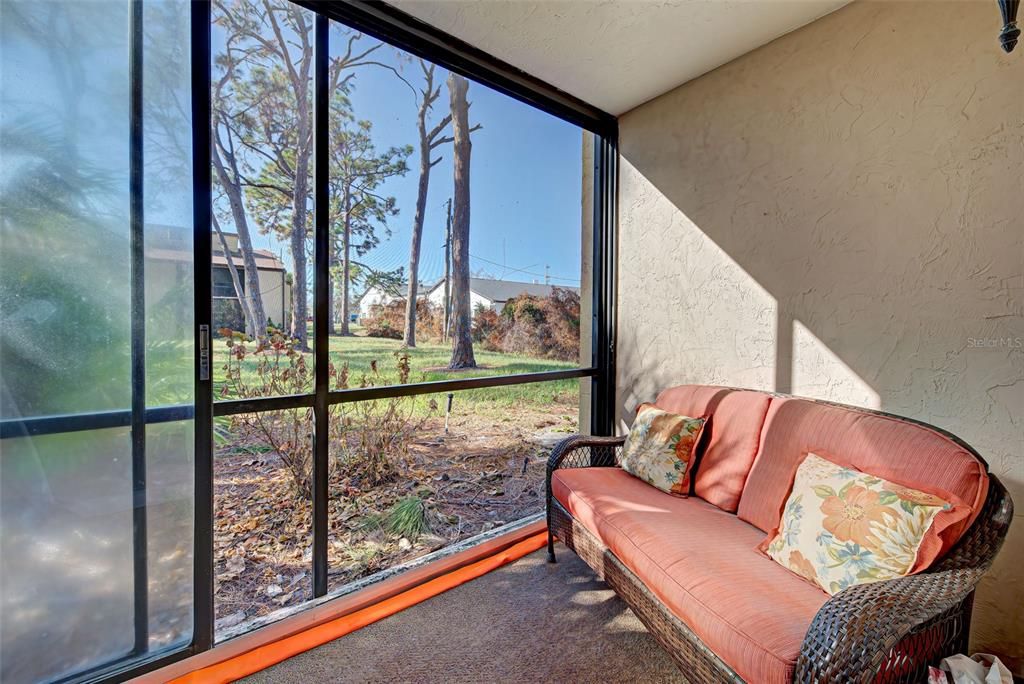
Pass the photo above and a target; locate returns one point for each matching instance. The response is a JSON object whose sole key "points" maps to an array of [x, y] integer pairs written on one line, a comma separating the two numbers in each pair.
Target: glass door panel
{"points": [[96, 328]]}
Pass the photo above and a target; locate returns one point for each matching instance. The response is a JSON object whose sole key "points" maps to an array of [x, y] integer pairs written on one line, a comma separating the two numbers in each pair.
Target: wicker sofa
{"points": [[689, 569]]}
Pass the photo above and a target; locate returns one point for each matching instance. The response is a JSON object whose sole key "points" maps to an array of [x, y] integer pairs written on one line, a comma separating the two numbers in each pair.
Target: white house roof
{"points": [[397, 293], [501, 291]]}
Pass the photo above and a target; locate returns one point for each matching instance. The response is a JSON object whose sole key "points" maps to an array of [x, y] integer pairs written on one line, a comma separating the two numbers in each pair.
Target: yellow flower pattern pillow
{"points": [[659, 448], [842, 527]]}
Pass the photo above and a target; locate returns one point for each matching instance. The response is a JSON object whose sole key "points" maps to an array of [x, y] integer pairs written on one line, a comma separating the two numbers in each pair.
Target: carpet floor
{"points": [[529, 621]]}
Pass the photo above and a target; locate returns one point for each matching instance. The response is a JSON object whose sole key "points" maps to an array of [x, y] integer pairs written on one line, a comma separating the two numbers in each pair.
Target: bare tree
{"points": [[429, 140], [228, 125], [462, 344], [278, 44], [226, 167], [236, 281]]}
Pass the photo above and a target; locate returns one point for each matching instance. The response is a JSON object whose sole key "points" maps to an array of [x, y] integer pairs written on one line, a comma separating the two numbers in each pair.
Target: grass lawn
{"points": [[428, 362]]}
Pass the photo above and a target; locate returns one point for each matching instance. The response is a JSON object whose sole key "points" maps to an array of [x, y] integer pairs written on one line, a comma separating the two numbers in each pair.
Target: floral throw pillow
{"points": [[842, 527], [659, 448]]}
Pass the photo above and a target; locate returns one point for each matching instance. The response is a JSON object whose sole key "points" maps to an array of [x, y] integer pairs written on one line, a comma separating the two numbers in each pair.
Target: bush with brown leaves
{"points": [[545, 327], [388, 320]]}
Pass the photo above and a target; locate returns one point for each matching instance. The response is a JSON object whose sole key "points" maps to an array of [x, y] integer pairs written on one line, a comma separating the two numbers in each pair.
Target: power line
{"points": [[523, 270]]}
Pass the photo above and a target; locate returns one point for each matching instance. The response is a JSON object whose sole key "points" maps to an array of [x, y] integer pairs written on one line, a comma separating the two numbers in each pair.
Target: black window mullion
{"points": [[140, 545], [441, 386], [602, 418], [321, 303], [203, 612]]}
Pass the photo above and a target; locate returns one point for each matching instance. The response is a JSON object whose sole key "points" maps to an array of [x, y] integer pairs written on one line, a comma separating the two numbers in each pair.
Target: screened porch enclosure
{"points": [[176, 472]]}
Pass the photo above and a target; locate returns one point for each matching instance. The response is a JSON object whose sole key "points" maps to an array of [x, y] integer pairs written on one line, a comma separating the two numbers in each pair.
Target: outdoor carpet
{"points": [[529, 621]]}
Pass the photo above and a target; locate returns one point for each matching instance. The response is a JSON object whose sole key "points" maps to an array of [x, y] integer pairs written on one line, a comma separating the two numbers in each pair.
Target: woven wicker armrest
{"points": [[888, 630], [853, 634], [583, 451], [579, 451]]}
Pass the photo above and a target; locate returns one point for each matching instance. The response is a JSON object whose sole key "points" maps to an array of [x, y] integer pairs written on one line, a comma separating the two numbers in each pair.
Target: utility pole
{"points": [[448, 270], [547, 276]]}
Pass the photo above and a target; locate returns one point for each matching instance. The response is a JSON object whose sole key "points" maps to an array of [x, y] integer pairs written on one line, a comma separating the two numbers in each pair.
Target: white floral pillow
{"points": [[842, 527], [659, 448]]}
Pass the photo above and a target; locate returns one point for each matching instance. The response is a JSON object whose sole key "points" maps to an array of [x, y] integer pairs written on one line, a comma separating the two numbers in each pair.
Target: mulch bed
{"points": [[483, 473]]}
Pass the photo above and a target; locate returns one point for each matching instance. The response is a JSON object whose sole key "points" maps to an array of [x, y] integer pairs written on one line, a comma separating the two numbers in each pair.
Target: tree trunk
{"points": [[417, 239], [417, 222], [462, 345], [332, 314], [300, 306], [233, 189], [251, 326], [303, 151], [346, 262], [448, 272]]}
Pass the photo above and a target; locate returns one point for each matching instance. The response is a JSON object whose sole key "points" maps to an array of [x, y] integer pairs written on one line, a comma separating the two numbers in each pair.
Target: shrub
{"points": [[372, 436], [379, 326], [545, 327], [280, 369], [535, 326], [408, 518], [367, 437], [388, 320], [485, 324]]}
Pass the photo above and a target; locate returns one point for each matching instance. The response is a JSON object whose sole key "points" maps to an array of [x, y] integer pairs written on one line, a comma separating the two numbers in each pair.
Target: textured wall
{"points": [[586, 276], [840, 214]]}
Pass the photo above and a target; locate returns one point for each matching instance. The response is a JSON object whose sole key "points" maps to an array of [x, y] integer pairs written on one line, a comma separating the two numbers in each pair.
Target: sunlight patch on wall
{"points": [[819, 373], [701, 317]]}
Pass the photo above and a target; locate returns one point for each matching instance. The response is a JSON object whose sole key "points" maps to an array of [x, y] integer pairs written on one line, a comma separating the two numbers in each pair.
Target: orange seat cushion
{"points": [[731, 436], [895, 450], [703, 564]]}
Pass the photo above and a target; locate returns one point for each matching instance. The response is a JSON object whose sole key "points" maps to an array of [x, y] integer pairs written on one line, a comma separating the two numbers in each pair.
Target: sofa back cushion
{"points": [[730, 437], [887, 447]]}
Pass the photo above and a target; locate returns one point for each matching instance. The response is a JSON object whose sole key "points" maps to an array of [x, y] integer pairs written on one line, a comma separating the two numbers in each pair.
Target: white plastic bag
{"points": [[981, 668]]}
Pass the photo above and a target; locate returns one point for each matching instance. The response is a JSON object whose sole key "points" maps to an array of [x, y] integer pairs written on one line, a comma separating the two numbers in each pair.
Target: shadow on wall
{"points": [[839, 215]]}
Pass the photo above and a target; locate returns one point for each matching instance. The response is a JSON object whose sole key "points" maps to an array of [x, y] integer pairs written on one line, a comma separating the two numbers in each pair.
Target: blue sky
{"points": [[525, 181], [525, 178]]}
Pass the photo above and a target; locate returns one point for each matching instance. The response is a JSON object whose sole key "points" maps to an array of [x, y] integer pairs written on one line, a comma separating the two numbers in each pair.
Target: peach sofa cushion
{"points": [[731, 436], [702, 563], [892, 449]]}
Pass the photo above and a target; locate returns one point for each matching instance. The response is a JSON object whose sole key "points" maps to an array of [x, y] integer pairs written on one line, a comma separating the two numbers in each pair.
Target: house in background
{"points": [[491, 293], [169, 263], [275, 283], [379, 295]]}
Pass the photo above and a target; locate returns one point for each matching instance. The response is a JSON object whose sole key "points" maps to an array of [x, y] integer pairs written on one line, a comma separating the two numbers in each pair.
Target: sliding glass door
{"points": [[96, 290], [292, 296]]}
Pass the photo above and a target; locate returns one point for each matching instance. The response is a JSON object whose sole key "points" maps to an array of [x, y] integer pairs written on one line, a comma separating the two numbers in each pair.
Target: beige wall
{"points": [[840, 214], [276, 296], [586, 278]]}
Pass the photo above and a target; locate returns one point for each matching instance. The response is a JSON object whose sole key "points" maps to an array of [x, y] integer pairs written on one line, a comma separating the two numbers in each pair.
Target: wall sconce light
{"points": [[1008, 36]]}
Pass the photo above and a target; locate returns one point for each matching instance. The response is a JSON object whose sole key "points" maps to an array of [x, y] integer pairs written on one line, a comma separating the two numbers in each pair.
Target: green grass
{"points": [[428, 362], [407, 518]]}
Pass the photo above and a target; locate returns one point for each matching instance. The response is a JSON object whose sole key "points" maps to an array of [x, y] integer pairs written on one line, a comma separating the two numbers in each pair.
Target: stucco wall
{"points": [[840, 214], [586, 277], [276, 295]]}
